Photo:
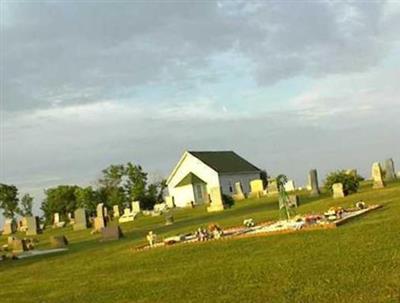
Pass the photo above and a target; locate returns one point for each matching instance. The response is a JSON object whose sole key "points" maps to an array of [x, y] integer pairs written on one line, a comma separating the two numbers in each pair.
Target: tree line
{"points": [[118, 185]]}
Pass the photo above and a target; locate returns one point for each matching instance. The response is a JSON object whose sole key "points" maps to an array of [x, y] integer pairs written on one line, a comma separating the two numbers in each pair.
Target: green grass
{"points": [[357, 262]]}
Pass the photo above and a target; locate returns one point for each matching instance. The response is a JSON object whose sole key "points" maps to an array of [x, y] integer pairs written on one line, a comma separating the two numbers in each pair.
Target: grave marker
{"points": [[313, 182], [116, 211], [110, 233], [216, 203], [377, 176], [338, 191], [256, 188], [239, 195], [390, 173], [136, 206], [32, 225], [58, 241], [289, 186], [80, 219], [10, 227]]}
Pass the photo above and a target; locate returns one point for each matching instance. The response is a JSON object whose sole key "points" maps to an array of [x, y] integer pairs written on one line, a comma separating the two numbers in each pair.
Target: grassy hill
{"points": [[358, 262]]}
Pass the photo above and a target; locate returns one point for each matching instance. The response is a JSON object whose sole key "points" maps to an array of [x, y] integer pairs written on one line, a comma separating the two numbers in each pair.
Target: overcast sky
{"points": [[289, 85]]}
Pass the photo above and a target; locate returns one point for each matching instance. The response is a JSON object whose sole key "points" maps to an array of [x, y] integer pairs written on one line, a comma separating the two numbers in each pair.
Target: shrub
{"points": [[351, 182], [228, 200]]}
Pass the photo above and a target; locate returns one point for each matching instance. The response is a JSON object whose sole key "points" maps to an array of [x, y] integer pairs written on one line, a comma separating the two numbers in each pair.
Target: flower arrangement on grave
{"points": [[215, 231], [334, 213], [249, 222], [361, 205]]}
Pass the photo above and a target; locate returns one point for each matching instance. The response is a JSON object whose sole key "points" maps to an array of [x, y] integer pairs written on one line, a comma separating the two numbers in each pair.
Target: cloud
{"points": [[70, 53]]}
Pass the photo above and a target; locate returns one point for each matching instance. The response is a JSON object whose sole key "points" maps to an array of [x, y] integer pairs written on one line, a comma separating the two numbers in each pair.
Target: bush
{"points": [[228, 200], [351, 182]]}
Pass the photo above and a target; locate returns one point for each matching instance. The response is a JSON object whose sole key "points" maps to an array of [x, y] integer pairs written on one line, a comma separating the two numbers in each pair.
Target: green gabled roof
{"points": [[224, 161], [190, 178]]}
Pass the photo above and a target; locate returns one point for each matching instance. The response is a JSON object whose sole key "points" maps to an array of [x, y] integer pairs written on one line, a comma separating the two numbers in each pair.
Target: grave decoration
{"points": [[333, 217], [249, 223], [285, 203]]}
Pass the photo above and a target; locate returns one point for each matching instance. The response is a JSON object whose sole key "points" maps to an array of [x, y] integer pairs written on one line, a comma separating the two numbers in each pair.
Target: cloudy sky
{"points": [[289, 85]]}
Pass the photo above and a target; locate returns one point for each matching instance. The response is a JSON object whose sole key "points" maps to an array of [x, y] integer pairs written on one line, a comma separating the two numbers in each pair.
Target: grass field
{"points": [[357, 262]]}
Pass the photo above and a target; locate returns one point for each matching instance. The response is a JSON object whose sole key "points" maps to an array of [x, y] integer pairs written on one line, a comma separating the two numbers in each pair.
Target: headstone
{"points": [[272, 187], [338, 190], [170, 201], [390, 173], [116, 211], [58, 241], [377, 176], [10, 240], [57, 222], [294, 201], [18, 246], [80, 219], [99, 221], [289, 186], [128, 216], [160, 207], [136, 206], [169, 219], [110, 233], [56, 218], [10, 227], [217, 203], [100, 210], [313, 181], [32, 225], [239, 195], [22, 225], [256, 188]]}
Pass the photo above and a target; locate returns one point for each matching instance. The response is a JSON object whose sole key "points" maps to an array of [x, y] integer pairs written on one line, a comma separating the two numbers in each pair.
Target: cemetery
{"points": [[271, 235]]}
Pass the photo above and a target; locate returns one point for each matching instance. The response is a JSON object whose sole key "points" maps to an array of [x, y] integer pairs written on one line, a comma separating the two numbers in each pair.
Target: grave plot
{"points": [[332, 218]]}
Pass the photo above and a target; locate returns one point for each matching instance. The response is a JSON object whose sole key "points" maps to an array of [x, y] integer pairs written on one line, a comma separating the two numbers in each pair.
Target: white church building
{"points": [[199, 171]]}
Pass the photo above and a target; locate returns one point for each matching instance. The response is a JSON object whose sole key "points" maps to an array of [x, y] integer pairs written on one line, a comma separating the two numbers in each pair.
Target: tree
{"points": [[86, 198], [136, 182], [60, 199], [351, 182], [111, 191], [9, 200], [112, 176], [25, 208]]}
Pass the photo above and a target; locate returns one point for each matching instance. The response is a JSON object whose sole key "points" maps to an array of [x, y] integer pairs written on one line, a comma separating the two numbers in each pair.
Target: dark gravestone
{"points": [[110, 233], [390, 173], [313, 181], [58, 241]]}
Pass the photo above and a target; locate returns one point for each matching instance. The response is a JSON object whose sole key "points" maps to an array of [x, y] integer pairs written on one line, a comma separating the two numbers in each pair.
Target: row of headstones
{"points": [[378, 178], [29, 224]]}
